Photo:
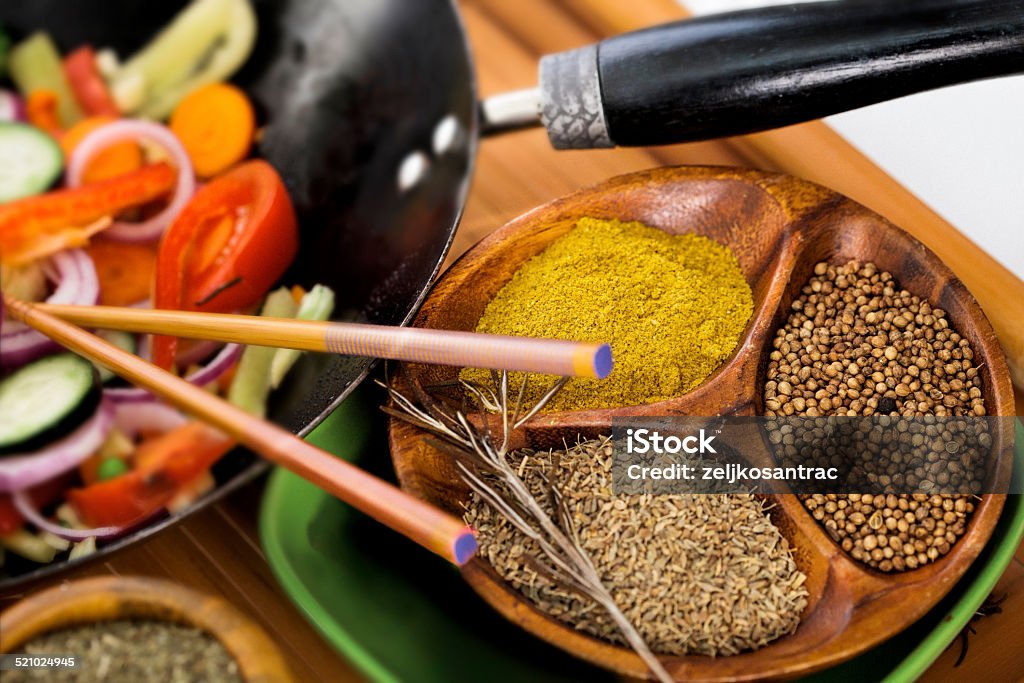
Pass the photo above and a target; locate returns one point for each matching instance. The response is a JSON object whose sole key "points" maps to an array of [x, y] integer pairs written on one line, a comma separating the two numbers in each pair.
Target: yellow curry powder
{"points": [[671, 306]]}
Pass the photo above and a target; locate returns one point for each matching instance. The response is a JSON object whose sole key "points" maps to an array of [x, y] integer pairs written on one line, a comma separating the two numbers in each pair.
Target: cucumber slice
{"points": [[30, 161], [46, 400]]}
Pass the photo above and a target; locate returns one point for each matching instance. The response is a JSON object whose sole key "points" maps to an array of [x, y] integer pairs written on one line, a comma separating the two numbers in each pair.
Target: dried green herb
{"points": [[130, 651]]}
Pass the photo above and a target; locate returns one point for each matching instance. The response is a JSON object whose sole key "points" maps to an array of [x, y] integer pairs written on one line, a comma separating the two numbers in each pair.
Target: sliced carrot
{"points": [[297, 292], [125, 271], [41, 110], [116, 160], [216, 124]]}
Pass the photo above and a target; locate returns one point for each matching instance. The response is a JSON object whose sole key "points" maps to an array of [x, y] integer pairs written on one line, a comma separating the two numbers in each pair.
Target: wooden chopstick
{"points": [[416, 345], [429, 526]]}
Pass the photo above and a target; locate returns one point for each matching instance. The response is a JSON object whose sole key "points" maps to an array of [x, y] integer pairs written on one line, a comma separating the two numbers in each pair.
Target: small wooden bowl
{"points": [[779, 227], [109, 598]]}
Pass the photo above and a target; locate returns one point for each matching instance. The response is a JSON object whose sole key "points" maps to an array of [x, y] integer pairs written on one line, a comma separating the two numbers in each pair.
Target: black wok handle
{"points": [[748, 71]]}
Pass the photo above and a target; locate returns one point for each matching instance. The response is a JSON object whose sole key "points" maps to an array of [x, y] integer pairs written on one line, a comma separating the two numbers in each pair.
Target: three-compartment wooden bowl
{"points": [[779, 227]]}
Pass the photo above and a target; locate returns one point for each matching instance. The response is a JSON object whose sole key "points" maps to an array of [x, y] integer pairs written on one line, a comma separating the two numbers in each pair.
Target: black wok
{"points": [[372, 119]]}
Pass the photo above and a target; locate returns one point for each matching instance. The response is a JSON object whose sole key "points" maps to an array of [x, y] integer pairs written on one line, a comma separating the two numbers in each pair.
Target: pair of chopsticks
{"points": [[410, 344], [429, 526]]}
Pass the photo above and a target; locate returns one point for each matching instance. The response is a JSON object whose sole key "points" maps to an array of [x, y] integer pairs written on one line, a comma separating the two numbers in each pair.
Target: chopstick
{"points": [[429, 526], [416, 345]]}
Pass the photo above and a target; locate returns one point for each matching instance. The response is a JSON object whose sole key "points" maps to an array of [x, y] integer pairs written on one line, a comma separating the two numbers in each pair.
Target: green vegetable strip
{"points": [[251, 384], [174, 54], [316, 304], [35, 64], [225, 59], [29, 546]]}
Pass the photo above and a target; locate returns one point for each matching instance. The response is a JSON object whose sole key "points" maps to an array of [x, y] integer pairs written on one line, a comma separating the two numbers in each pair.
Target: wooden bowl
{"points": [[778, 227], [110, 598]]}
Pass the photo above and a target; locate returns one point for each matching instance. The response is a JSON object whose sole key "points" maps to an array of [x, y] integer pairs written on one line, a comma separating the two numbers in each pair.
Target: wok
{"points": [[372, 119]]}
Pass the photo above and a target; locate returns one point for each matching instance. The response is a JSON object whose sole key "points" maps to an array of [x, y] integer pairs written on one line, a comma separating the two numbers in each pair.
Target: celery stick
{"points": [[83, 548], [35, 64], [251, 384], [225, 59], [29, 546], [316, 304], [174, 53]]}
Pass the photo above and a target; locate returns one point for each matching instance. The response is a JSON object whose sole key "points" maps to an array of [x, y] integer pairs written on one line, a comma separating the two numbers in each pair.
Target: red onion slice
{"points": [[75, 275], [120, 131], [23, 471], [199, 352], [146, 416], [220, 363], [12, 107], [29, 512]]}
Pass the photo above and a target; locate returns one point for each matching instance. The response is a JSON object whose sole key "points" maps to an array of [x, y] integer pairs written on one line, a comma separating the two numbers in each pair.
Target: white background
{"points": [[960, 149]]}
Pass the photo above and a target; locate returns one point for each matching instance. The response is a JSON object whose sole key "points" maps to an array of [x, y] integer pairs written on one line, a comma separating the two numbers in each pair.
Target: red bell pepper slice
{"points": [[37, 226], [163, 465], [232, 241], [87, 84]]}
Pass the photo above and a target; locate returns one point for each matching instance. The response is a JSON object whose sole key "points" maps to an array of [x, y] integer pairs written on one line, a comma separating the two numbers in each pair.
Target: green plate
{"points": [[400, 614]]}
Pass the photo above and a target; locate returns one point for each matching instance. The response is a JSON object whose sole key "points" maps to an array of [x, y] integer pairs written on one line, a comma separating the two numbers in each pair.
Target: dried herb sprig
{"points": [[481, 458]]}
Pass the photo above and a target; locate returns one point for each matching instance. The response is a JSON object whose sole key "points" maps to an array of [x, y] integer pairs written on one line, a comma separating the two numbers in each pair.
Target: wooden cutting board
{"points": [[218, 551]]}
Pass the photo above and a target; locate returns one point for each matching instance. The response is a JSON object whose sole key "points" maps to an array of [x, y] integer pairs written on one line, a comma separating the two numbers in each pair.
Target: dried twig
{"points": [[988, 608], [481, 457]]}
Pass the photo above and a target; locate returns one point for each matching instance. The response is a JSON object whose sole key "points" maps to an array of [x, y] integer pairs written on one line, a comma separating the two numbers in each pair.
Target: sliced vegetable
{"points": [[316, 304], [30, 161], [125, 271], [228, 246], [41, 111], [215, 123], [25, 470], [117, 132], [34, 64], [34, 227], [115, 160], [87, 84], [222, 59], [163, 466], [122, 340], [26, 282], [53, 533], [12, 108], [42, 494], [174, 53], [214, 370], [29, 546], [75, 282], [146, 418], [251, 385], [83, 549], [46, 400]]}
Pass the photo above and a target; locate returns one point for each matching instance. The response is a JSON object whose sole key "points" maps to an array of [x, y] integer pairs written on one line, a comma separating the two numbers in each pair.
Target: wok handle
{"points": [[748, 71]]}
